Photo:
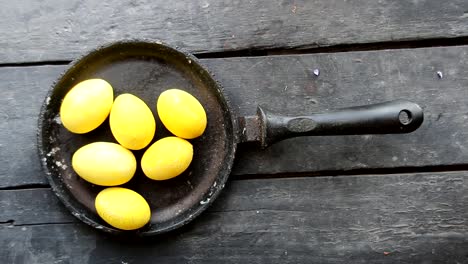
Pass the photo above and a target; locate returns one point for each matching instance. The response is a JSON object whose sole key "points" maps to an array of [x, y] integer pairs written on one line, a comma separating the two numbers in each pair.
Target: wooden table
{"points": [[355, 199]]}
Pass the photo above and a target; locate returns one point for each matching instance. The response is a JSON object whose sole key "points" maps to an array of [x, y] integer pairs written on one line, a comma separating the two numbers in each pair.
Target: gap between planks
{"points": [[300, 50], [333, 173]]}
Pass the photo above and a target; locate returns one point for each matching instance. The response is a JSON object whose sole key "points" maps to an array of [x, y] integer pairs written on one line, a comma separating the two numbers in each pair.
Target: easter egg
{"points": [[86, 105], [132, 122], [181, 113], [167, 158], [122, 208], [104, 163]]}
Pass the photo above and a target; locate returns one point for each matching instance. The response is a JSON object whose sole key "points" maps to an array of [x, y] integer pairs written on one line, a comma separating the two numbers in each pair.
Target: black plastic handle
{"points": [[392, 117]]}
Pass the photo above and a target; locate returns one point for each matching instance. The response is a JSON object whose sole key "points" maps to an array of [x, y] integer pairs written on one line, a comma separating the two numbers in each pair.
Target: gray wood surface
{"points": [[417, 218], [23, 92], [60, 30], [265, 214], [286, 84]]}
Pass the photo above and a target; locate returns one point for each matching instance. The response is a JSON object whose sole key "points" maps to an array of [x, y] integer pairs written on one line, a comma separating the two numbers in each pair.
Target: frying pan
{"points": [[146, 69]]}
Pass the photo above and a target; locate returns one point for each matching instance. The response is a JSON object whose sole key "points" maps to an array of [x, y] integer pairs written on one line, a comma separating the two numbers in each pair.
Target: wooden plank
{"points": [[23, 91], [32, 206], [417, 218], [286, 84], [57, 30]]}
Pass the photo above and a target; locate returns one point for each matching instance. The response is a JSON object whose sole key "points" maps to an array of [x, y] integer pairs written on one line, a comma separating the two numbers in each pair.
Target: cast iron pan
{"points": [[146, 69]]}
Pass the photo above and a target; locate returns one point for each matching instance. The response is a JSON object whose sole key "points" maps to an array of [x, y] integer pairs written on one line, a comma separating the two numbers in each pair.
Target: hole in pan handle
{"points": [[393, 117]]}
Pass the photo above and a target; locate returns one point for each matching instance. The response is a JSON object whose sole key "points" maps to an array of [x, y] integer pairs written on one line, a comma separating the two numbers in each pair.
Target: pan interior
{"points": [[145, 70]]}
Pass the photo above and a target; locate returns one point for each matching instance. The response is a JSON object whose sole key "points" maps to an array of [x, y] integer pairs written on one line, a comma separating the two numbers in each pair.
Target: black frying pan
{"points": [[146, 69]]}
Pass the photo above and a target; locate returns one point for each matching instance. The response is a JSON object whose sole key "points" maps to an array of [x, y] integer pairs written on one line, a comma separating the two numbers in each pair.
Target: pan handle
{"points": [[393, 117]]}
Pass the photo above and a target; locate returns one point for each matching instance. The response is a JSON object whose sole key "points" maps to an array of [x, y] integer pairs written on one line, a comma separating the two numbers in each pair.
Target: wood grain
{"points": [[286, 84], [399, 218], [24, 91], [58, 30]]}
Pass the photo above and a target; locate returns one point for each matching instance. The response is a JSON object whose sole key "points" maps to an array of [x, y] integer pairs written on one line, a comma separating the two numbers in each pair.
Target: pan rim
{"points": [[67, 198]]}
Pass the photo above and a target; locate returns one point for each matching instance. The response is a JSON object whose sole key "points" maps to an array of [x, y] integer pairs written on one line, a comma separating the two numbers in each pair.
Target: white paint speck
{"points": [[205, 5], [440, 74], [53, 151], [76, 214], [58, 120], [23, 228], [258, 212], [189, 61], [394, 158], [205, 201], [189, 183], [316, 72], [48, 100], [214, 184]]}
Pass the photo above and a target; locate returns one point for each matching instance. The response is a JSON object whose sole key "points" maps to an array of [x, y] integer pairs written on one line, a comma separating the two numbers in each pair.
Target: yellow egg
{"points": [[181, 113], [167, 158], [132, 122], [86, 105], [122, 208], [104, 163]]}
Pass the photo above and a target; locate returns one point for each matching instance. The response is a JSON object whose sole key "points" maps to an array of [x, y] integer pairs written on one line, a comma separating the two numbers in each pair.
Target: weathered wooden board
{"points": [[286, 84], [417, 218], [58, 30], [32, 206], [23, 91]]}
